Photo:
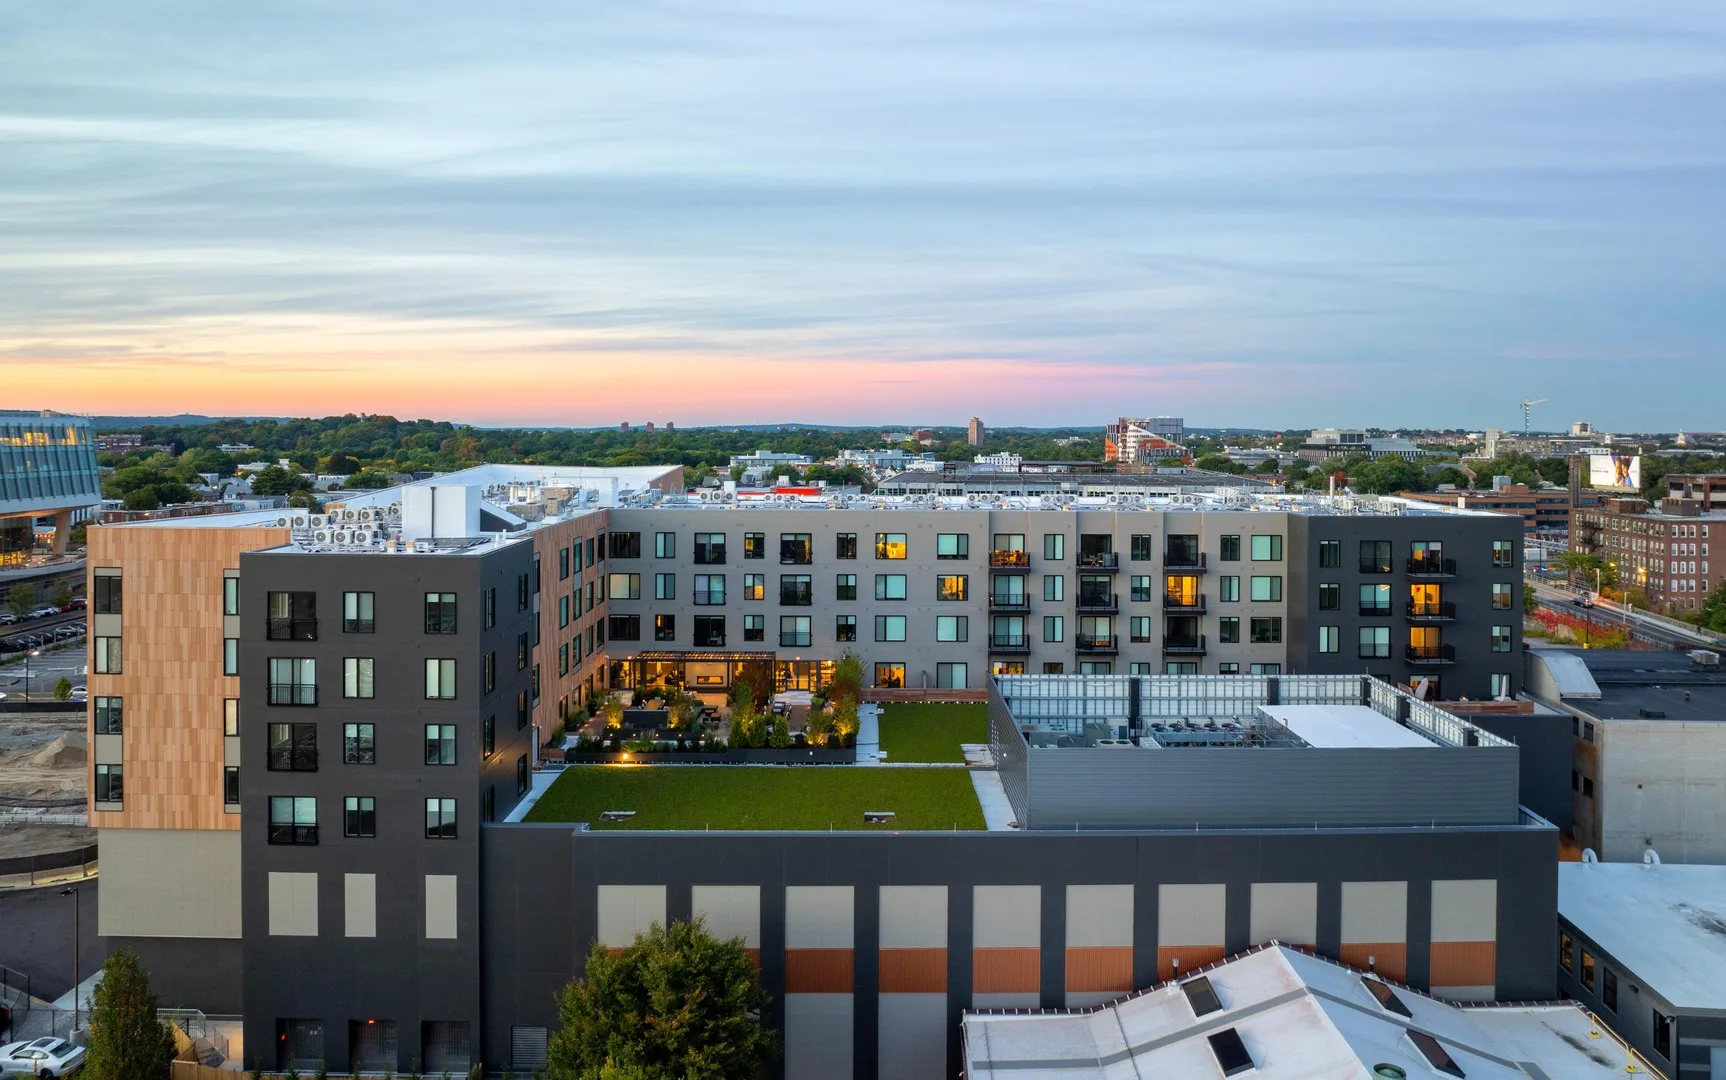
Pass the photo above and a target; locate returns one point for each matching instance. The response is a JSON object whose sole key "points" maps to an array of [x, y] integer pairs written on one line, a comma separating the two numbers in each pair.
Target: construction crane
{"points": [[1528, 413]]}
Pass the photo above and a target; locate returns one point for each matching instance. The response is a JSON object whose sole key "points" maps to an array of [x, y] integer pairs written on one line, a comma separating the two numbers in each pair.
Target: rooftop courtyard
{"points": [[761, 797]]}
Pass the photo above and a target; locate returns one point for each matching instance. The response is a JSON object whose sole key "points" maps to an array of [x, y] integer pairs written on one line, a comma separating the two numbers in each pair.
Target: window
{"points": [[665, 627], [440, 611], [440, 679], [889, 628], [109, 720], [1009, 542], [624, 545], [796, 590], [1565, 943], [624, 586], [293, 681], [1588, 787], [1501, 596], [293, 616], [1050, 667], [754, 627], [440, 818], [1228, 669], [889, 586], [1587, 732], [1501, 639], [1330, 639], [1230, 549], [1499, 685], [1266, 588], [440, 744], [230, 656], [488, 673], [665, 586], [951, 586], [665, 545], [890, 676], [592, 543], [293, 748], [1330, 596], [563, 563], [1663, 1035], [1139, 588], [709, 549], [709, 631], [357, 677], [890, 545], [754, 586], [796, 548], [562, 612], [755, 545], [709, 590], [1229, 589], [1231, 1053], [230, 785], [845, 587], [1201, 996], [359, 816], [357, 612], [1375, 556], [108, 598], [1141, 668], [1229, 630], [230, 594], [1330, 554], [845, 628], [952, 545], [522, 714], [845, 546], [1609, 989], [293, 819], [1139, 547], [489, 616], [1375, 599], [1096, 667], [1264, 669], [1139, 628], [1267, 549], [795, 631], [952, 628], [1436, 1055], [1054, 587], [488, 736], [1266, 631], [110, 783], [1054, 546], [1503, 553], [359, 744], [624, 627], [1587, 969], [521, 778], [1054, 628], [1374, 643], [951, 676]]}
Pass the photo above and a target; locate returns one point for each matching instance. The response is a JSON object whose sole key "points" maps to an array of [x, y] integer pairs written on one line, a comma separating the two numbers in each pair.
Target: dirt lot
{"points": [[41, 758]]}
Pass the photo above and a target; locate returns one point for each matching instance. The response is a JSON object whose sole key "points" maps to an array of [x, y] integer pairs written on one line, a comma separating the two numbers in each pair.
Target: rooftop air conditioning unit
{"points": [[367, 515], [340, 536], [300, 521], [319, 521], [283, 523], [322, 537], [361, 536]]}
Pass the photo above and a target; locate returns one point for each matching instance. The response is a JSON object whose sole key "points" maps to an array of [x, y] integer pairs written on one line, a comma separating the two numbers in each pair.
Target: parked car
{"points": [[80, 691], [78, 603], [66, 633], [45, 1057], [7, 618], [44, 612]]}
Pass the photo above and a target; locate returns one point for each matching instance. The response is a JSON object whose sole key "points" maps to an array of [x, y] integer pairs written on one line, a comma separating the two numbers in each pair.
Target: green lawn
{"points": [[931, 732], [756, 797]]}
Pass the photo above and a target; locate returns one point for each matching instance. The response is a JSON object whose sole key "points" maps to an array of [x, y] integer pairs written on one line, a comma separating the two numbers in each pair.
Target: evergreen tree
{"points": [[127, 1041]]}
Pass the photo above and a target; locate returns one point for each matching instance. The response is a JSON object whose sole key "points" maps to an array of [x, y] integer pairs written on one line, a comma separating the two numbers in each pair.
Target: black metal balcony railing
{"points": [[1180, 602], [1430, 654], [1095, 601], [1019, 602], [1442, 611], [287, 693], [1184, 560], [1099, 560], [1431, 568], [293, 834], [1185, 646], [1094, 644], [1375, 609], [790, 641], [1009, 643], [292, 629], [292, 759], [1010, 560]]}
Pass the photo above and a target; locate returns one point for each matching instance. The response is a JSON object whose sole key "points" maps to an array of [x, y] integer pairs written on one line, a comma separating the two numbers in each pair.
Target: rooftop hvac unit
{"points": [[367, 515], [300, 521], [322, 536], [361, 536], [284, 522], [340, 536], [319, 521]]}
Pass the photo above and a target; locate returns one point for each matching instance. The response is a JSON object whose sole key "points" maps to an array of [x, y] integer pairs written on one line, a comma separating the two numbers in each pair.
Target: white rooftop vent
{"points": [[1705, 657]]}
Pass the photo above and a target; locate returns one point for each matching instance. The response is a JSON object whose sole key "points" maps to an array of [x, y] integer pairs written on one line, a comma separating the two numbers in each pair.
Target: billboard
{"points": [[1615, 472]]}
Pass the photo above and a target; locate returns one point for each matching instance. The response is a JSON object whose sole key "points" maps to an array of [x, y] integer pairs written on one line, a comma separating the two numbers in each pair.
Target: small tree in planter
{"points": [[779, 735], [612, 706]]}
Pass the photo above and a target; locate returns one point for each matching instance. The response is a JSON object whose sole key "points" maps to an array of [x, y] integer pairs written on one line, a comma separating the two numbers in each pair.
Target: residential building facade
{"points": [[1663, 552]]}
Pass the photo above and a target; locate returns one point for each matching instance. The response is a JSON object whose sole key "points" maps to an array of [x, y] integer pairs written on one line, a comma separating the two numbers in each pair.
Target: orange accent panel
{"points": [[1096, 968], [1190, 956], [1390, 958], [913, 971], [754, 957], [1464, 963], [1006, 971], [818, 971]]}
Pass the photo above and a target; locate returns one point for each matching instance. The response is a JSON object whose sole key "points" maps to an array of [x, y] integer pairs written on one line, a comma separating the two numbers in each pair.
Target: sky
{"points": [[1040, 212]]}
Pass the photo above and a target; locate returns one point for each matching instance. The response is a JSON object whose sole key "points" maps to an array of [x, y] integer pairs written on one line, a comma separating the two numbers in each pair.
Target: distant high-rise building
{"points": [[623, 426], [650, 427], [974, 434], [1130, 440], [671, 425]]}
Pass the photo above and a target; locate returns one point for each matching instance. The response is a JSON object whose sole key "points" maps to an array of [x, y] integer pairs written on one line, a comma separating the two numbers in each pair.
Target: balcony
{"points": [[1010, 560], [1184, 646], [1107, 561], [285, 629], [1098, 645], [1099, 603], [293, 694], [1442, 612], [1194, 604], [1009, 643], [1019, 602], [1431, 568], [1185, 562], [1430, 655]]}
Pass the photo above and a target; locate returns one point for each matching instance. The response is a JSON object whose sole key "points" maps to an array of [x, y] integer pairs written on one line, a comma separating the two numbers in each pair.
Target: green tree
{"points": [[127, 1041], [1530, 601], [679, 1004], [338, 465], [62, 595], [1389, 475], [276, 480], [21, 599], [63, 689], [142, 499], [367, 480], [1714, 611]]}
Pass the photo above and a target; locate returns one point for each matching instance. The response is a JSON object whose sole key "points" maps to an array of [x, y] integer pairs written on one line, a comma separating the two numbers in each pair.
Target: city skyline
{"points": [[545, 217]]}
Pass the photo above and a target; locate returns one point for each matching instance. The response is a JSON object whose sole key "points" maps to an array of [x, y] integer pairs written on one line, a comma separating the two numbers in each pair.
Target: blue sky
{"points": [[1266, 214]]}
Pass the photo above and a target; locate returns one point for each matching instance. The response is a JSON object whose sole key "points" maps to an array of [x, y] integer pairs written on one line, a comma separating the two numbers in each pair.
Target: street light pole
{"points": [[28, 653], [77, 949]]}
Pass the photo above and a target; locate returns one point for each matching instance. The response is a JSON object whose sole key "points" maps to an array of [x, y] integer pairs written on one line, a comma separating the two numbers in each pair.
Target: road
{"points": [[38, 937], [70, 660], [1607, 614]]}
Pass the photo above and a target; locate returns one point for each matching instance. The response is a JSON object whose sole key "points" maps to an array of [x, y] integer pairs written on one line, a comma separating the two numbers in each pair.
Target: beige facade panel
{"points": [[293, 904], [1285, 911], [1464, 911], [820, 916], [1190, 915], [1099, 916], [628, 910], [730, 911], [441, 906], [107, 749], [913, 916], [1374, 911], [913, 1036], [359, 905], [179, 883], [1007, 916], [818, 1035]]}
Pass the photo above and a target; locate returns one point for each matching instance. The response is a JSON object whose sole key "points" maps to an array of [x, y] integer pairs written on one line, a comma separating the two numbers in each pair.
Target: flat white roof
{"points": [[1345, 726], [1666, 923]]}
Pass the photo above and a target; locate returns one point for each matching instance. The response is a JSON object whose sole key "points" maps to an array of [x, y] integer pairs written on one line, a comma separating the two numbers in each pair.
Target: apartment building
{"points": [[1541, 510], [1662, 551]]}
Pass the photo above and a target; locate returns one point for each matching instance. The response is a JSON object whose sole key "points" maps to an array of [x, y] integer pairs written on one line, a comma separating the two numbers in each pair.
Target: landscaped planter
{"points": [[766, 756]]}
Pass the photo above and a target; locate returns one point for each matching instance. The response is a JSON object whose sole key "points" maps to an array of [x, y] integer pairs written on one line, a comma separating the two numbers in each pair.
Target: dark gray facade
{"points": [[393, 971]]}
